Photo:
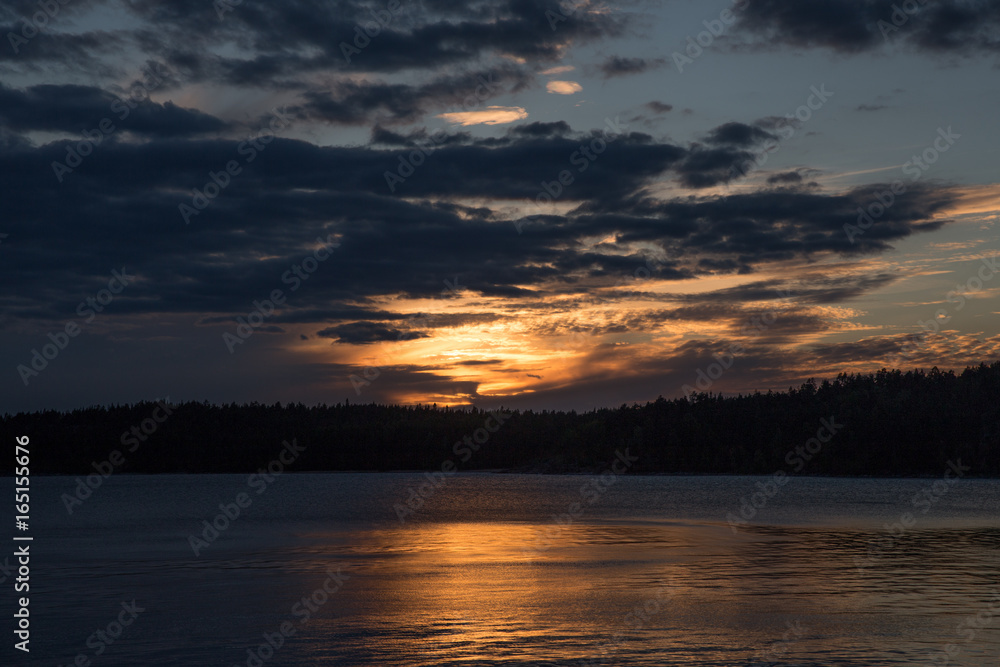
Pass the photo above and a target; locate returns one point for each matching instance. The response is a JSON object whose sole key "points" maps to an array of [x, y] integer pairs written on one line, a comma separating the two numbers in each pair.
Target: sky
{"points": [[522, 203]]}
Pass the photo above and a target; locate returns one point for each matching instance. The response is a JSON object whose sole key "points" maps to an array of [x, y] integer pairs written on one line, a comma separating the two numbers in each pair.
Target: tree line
{"points": [[890, 423]]}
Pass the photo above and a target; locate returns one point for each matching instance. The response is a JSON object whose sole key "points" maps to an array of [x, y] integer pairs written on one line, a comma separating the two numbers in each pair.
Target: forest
{"points": [[887, 423]]}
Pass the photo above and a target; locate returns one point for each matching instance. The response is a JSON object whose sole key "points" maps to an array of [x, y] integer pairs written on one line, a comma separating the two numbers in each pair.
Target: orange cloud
{"points": [[563, 87], [488, 116]]}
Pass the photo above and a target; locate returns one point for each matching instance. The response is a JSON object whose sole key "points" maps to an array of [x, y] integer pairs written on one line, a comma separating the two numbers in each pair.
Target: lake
{"points": [[317, 569]]}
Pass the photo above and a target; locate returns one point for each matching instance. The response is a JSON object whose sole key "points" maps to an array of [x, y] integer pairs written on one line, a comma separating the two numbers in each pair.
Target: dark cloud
{"points": [[659, 107], [303, 47], [739, 135], [705, 168], [785, 177], [539, 129], [780, 224], [517, 166], [12, 141], [852, 26], [292, 39], [357, 103], [23, 43], [419, 137], [124, 201], [870, 107], [71, 108], [360, 333], [620, 66], [386, 137]]}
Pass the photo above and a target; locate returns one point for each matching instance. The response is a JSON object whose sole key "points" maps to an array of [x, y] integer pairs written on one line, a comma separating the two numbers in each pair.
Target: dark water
{"points": [[646, 571]]}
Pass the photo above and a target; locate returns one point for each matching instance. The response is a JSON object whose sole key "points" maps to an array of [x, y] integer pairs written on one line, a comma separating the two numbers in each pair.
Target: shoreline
{"points": [[500, 471]]}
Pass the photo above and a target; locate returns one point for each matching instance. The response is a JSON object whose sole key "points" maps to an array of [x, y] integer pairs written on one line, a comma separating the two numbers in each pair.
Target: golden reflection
{"points": [[640, 592], [465, 591]]}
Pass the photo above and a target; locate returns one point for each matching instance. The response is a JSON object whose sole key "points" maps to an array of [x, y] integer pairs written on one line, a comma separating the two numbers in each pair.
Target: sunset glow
{"points": [[465, 224]]}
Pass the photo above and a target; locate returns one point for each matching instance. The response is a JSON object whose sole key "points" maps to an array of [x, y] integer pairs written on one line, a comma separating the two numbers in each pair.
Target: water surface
{"points": [[498, 569]]}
